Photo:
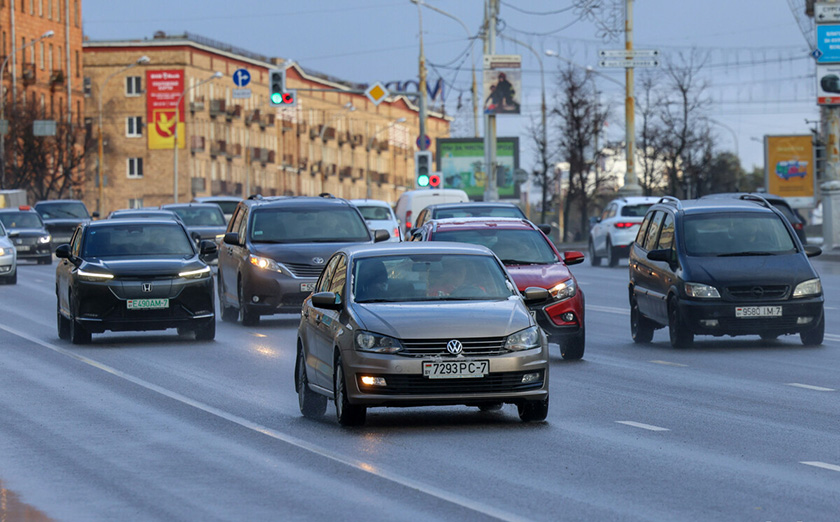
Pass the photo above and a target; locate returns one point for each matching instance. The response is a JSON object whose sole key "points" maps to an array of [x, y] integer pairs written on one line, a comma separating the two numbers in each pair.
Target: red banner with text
{"points": [[163, 89]]}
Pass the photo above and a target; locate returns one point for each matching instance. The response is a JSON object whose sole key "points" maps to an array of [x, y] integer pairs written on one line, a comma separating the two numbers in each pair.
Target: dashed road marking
{"points": [[608, 309], [643, 426], [823, 465], [667, 363], [810, 387]]}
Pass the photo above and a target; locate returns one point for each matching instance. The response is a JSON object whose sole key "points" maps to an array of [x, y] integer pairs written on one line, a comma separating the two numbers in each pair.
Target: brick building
{"points": [[337, 142]]}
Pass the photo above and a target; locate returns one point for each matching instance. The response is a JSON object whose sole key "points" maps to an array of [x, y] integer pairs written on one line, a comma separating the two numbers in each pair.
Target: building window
{"points": [[49, 9], [78, 68], [31, 6], [135, 168], [135, 203], [42, 55], [60, 64], [52, 63], [41, 8], [132, 86], [60, 6], [134, 126], [76, 13]]}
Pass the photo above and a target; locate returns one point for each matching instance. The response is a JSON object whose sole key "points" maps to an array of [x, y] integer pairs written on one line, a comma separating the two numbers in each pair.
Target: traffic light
{"points": [[422, 168], [277, 93], [435, 180]]}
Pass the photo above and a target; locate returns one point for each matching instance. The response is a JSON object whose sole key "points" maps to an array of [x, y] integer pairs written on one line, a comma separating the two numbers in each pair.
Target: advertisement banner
{"points": [[502, 83], [461, 163], [789, 169], [828, 84], [163, 88]]}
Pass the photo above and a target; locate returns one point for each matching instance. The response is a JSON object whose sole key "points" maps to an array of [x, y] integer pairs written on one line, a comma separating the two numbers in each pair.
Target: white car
{"points": [[379, 214], [8, 258], [613, 232]]}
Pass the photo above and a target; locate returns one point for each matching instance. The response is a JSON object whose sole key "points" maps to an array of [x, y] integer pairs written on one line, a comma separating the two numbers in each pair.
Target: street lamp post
{"points": [[100, 206], [215, 75], [48, 34], [368, 188]]}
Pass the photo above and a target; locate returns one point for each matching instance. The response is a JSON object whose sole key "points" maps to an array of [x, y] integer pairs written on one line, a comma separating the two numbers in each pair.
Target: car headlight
{"points": [[563, 290], [93, 276], [372, 342], [6, 251], [195, 274], [44, 239], [524, 339], [701, 291], [809, 287], [265, 263]]}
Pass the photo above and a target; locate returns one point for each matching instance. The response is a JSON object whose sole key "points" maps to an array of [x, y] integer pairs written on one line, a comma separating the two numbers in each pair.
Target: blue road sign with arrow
{"points": [[241, 77]]}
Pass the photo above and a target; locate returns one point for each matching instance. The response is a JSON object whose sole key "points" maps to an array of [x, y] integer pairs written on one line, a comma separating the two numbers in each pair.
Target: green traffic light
{"points": [[423, 181], [276, 97]]}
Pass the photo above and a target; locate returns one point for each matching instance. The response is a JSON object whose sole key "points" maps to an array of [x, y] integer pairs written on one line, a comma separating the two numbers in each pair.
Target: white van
{"points": [[412, 202]]}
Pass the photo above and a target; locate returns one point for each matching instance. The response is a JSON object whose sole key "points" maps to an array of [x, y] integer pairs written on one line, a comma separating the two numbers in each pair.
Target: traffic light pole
{"points": [[491, 192]]}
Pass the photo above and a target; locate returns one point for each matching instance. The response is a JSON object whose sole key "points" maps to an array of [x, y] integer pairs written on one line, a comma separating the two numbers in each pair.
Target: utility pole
{"points": [[422, 88], [830, 186], [491, 192], [631, 184]]}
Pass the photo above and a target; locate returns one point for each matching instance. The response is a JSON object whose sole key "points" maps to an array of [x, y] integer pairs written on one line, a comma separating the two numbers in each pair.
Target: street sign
{"points": [[241, 93], [4, 127], [828, 43], [426, 142], [816, 53], [241, 77], [629, 63], [826, 13], [43, 128], [628, 54], [376, 93]]}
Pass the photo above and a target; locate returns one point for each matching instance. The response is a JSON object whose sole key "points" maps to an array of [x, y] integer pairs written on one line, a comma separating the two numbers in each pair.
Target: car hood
{"points": [[144, 267], [302, 253], [542, 276], [207, 232], [788, 269], [453, 319]]}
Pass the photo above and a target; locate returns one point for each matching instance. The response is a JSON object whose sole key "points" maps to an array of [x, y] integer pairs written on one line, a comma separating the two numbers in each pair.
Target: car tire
{"points": [[229, 313], [11, 280], [346, 413], [62, 324], [571, 349], [208, 333], [814, 336], [533, 411], [612, 254], [641, 328], [679, 336], [312, 405], [593, 257], [247, 315]]}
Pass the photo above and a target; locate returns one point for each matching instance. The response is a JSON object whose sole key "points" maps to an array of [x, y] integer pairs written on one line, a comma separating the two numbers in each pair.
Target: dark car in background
{"points": [[227, 203], [143, 213], [61, 216], [204, 221], [133, 275], [28, 233], [466, 209], [793, 216]]}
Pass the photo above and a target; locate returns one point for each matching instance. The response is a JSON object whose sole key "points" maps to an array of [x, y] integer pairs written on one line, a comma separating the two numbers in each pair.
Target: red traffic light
{"points": [[434, 181], [288, 98]]}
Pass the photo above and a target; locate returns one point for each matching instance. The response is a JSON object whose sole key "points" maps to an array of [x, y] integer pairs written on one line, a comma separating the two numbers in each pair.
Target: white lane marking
{"points": [[810, 387], [608, 309], [816, 464], [643, 426], [416, 485], [666, 363], [831, 308], [832, 337]]}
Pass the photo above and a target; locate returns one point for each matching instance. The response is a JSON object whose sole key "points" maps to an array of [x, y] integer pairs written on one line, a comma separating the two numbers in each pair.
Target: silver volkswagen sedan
{"points": [[407, 324]]}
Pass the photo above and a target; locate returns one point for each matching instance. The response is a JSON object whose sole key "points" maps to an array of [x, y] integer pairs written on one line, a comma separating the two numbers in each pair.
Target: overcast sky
{"points": [[761, 76]]}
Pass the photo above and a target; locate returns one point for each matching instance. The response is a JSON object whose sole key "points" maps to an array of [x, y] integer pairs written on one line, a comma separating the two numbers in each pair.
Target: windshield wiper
{"points": [[519, 262], [734, 254]]}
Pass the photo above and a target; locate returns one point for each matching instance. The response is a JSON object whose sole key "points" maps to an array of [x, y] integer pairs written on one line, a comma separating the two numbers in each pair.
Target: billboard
{"points": [[789, 169], [828, 84], [163, 88], [461, 163], [502, 87]]}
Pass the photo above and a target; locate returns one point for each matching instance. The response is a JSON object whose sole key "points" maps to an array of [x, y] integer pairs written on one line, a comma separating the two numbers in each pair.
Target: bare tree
{"points": [[650, 138], [543, 170]]}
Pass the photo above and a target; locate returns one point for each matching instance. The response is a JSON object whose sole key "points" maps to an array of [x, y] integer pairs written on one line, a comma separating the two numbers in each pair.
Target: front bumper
{"points": [[718, 318], [552, 317], [267, 292], [7, 265], [33, 251]]}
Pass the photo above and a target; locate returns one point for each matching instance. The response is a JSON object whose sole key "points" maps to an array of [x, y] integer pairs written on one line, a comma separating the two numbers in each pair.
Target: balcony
{"points": [[253, 117], [234, 111], [329, 133], [345, 173], [56, 79], [234, 150], [29, 73], [217, 107], [288, 160], [197, 105], [217, 148], [302, 163], [356, 140], [196, 144], [285, 126]]}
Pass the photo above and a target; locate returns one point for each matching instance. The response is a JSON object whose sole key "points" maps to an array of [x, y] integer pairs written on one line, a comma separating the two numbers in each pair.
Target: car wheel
{"points": [[593, 257], [815, 335], [247, 315], [229, 313], [208, 333], [641, 328], [533, 411], [62, 323], [680, 337], [612, 254], [346, 413], [312, 404], [10, 280], [571, 349]]}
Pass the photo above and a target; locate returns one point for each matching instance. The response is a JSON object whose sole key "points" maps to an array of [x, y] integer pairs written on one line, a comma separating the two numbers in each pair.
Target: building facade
{"points": [[231, 141]]}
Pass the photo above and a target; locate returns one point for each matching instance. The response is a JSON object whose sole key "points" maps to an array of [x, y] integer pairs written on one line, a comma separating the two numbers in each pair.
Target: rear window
{"points": [[227, 206], [63, 210], [375, 213], [635, 210], [308, 225], [513, 247], [201, 216], [21, 220], [736, 233], [478, 211]]}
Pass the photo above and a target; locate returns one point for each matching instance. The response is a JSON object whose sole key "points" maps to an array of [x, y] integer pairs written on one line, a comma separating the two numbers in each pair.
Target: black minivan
{"points": [[722, 267]]}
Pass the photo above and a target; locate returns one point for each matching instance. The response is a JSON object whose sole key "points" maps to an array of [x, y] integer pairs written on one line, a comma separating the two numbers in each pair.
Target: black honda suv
{"points": [[275, 249], [722, 267]]}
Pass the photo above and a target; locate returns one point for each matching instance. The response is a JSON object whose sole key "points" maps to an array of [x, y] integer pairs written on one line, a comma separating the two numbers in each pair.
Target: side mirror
{"points": [[535, 294], [660, 255], [812, 251], [573, 257], [63, 251], [411, 231], [328, 300], [207, 247], [544, 228], [231, 238], [14, 233], [594, 220], [95, 215], [380, 234]]}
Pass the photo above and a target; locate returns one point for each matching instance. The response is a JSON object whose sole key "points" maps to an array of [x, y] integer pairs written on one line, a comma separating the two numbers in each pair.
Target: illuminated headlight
{"points": [[6, 252], [809, 287], [93, 276], [563, 290], [266, 263], [524, 339], [369, 380], [195, 274], [371, 342], [44, 239], [701, 291]]}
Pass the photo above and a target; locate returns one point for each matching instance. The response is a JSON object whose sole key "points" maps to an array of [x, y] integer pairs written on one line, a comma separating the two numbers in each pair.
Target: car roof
{"points": [[373, 202], [707, 205], [131, 221], [206, 204], [205, 199], [296, 201], [772, 198], [429, 247], [635, 200], [461, 204], [482, 222], [16, 209], [48, 201]]}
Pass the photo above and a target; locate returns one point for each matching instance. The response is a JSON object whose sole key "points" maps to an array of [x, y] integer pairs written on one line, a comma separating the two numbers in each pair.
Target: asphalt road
{"points": [[152, 426]]}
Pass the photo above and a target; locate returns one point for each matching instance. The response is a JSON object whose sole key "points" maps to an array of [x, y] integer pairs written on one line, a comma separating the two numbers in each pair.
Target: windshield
{"points": [[227, 206], [374, 213], [308, 225], [478, 211], [152, 214], [734, 234], [137, 241], [201, 216], [635, 210], [514, 247], [63, 210], [13, 220], [429, 277]]}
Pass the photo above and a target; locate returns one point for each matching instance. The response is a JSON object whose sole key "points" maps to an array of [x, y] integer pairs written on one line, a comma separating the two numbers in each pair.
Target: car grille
{"points": [[737, 325], [302, 270], [758, 292], [433, 347], [26, 241], [419, 385]]}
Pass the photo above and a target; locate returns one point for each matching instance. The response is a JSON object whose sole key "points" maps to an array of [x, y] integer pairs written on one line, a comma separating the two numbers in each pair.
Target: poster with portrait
{"points": [[502, 83]]}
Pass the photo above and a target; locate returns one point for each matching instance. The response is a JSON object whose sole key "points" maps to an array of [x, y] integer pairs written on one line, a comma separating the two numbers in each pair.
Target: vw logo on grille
{"points": [[454, 347], [318, 260], [147, 287], [757, 291]]}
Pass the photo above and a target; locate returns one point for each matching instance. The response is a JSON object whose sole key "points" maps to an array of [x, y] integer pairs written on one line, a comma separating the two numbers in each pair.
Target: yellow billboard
{"points": [[789, 169]]}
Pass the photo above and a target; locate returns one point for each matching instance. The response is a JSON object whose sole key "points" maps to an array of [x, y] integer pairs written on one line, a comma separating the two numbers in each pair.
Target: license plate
{"points": [[758, 311], [456, 369], [23, 248], [147, 304], [307, 287], [533, 314]]}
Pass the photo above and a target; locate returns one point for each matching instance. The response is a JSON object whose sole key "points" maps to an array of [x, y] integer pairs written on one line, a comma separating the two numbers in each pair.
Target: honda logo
{"points": [[454, 347], [147, 287]]}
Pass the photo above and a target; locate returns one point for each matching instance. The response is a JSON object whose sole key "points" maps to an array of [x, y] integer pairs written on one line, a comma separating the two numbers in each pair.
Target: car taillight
{"points": [[407, 219], [396, 232], [624, 224], [798, 226]]}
